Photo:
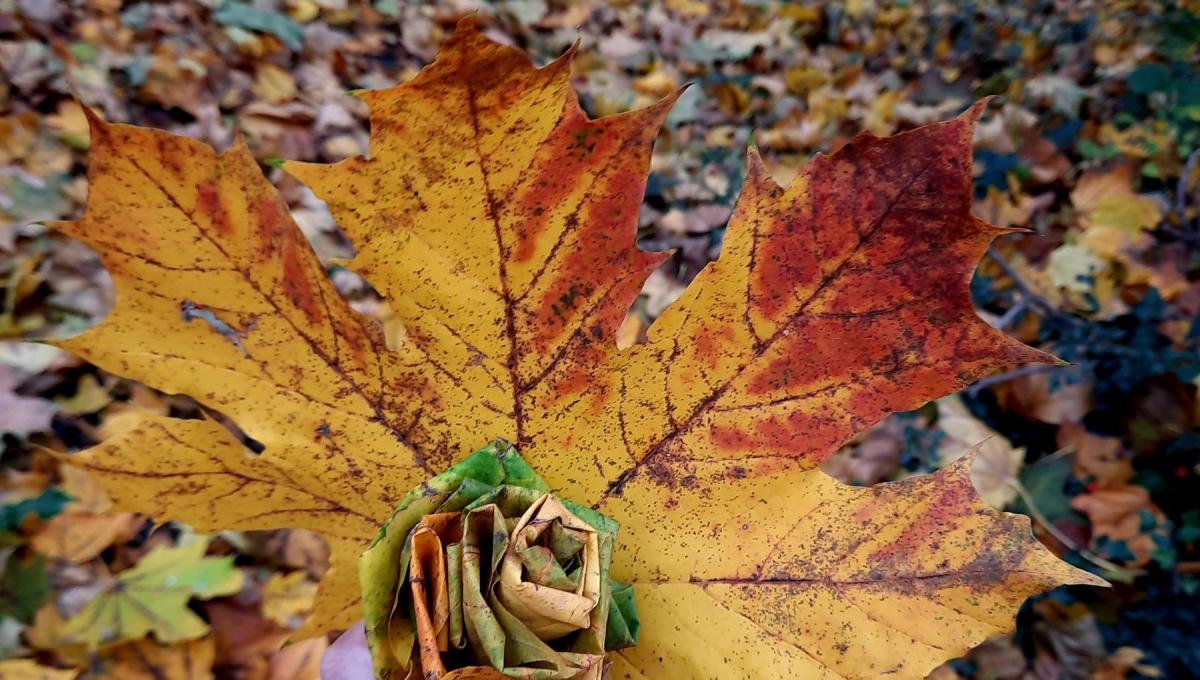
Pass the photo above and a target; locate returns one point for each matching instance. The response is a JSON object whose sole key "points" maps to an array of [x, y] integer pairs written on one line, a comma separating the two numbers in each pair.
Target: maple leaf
{"points": [[153, 597], [499, 221]]}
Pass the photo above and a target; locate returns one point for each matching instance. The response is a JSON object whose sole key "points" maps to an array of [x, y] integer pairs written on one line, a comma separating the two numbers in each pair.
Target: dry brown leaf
{"points": [[149, 660], [1062, 396], [1116, 514], [79, 537], [1096, 459], [28, 669]]}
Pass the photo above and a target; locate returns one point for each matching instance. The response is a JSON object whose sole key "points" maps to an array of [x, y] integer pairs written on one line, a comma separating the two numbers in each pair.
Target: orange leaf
{"points": [[79, 536], [299, 661], [149, 660]]}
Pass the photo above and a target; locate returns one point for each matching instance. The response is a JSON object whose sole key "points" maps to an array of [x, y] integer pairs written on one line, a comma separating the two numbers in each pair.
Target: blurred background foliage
{"points": [[1090, 147]]}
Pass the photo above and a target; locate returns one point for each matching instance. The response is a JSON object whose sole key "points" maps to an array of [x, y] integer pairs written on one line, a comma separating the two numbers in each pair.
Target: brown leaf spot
{"points": [[208, 201]]}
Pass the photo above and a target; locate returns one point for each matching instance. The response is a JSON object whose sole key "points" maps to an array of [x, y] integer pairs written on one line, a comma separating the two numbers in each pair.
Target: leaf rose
{"points": [[482, 573]]}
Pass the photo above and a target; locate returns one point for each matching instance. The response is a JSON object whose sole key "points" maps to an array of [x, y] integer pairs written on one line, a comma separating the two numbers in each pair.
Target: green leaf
{"points": [[24, 586], [1092, 150], [153, 597], [1149, 78], [623, 624], [47, 505], [244, 16], [1044, 482]]}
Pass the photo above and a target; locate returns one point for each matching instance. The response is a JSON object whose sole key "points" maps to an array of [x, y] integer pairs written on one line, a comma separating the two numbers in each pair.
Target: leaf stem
{"points": [[1024, 371], [1027, 293]]}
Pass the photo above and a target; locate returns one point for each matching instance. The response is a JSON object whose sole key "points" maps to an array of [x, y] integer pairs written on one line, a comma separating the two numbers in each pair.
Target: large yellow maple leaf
{"points": [[499, 222]]}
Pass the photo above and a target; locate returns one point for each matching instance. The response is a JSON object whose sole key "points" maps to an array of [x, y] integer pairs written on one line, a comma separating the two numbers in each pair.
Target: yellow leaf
{"points": [[153, 597], [996, 461], [123, 416], [87, 494], [46, 634], [202, 475], [46, 631], [1075, 267], [273, 84], [818, 579], [28, 669], [79, 536], [1107, 199], [69, 120], [1140, 140], [499, 223], [287, 598], [89, 397]]}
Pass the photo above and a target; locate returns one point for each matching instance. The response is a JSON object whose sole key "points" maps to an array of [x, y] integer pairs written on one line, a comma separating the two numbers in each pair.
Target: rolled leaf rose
{"points": [[482, 573]]}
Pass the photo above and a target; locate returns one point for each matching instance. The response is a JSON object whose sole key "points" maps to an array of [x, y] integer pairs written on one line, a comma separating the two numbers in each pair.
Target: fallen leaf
{"points": [[1075, 267], [79, 537], [1096, 459], [1061, 396], [299, 549], [1125, 514], [298, 661], [21, 504], [69, 121], [997, 463], [1105, 198], [21, 415], [28, 669], [121, 417], [90, 397], [245, 640], [24, 586], [1124, 661], [1072, 633], [273, 84], [287, 598], [152, 597], [149, 660], [45, 632]]}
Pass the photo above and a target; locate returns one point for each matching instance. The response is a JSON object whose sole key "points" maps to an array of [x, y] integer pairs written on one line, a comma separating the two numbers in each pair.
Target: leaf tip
{"points": [[467, 24], [975, 111], [755, 168], [571, 51], [95, 123]]}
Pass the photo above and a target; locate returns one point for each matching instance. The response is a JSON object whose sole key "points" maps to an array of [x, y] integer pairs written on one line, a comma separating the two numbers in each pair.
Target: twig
{"points": [[1116, 571], [1024, 371], [1181, 235], [1013, 314], [1181, 187], [7, 313], [1022, 287]]}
